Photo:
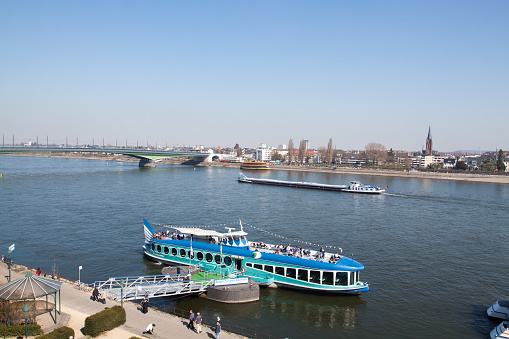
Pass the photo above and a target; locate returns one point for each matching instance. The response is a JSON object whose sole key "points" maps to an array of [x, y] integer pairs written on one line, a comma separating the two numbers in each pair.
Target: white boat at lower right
{"points": [[499, 309], [501, 331]]}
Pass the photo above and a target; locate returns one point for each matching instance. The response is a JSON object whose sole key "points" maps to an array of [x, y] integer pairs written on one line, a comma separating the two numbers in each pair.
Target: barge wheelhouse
{"points": [[231, 254]]}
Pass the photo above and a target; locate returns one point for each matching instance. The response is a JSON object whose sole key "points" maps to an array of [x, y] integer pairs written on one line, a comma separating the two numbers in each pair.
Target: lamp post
{"points": [[79, 276], [9, 263], [122, 293], [25, 310]]}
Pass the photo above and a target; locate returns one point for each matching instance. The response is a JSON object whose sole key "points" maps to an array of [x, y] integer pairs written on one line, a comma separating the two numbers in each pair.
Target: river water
{"points": [[434, 252]]}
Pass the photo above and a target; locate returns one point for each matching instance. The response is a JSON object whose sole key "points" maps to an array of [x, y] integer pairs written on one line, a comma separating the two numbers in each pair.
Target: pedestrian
{"points": [[95, 294], [190, 325], [144, 305], [150, 329], [146, 296], [38, 272], [198, 322], [218, 327]]}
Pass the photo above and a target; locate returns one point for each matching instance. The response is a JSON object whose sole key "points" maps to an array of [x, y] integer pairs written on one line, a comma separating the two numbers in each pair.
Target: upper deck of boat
{"points": [[288, 250]]}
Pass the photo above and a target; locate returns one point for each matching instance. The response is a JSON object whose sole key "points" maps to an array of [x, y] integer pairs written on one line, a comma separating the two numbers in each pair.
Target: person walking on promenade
{"points": [[150, 329], [218, 327], [95, 294], [198, 322], [144, 305], [191, 320]]}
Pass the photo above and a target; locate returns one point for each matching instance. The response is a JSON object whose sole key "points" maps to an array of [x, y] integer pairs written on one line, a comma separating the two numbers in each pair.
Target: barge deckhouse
{"points": [[231, 254]]}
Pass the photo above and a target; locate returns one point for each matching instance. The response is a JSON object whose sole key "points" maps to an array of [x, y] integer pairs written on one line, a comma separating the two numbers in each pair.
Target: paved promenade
{"points": [[76, 306]]}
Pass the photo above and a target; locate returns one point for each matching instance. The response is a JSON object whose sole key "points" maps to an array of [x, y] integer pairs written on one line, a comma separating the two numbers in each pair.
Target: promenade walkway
{"points": [[76, 306]]}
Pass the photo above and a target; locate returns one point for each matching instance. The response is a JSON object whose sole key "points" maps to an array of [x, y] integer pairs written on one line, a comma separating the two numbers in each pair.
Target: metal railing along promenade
{"points": [[153, 286]]}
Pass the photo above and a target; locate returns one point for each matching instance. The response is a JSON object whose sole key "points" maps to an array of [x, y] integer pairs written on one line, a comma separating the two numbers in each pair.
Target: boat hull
{"points": [[228, 260]]}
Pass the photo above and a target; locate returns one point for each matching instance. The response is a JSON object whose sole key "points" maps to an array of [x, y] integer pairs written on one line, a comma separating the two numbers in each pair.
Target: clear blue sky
{"points": [[217, 73]]}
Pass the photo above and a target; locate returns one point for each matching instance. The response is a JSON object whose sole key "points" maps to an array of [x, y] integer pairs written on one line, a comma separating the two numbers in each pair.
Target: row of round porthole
{"points": [[199, 255]]}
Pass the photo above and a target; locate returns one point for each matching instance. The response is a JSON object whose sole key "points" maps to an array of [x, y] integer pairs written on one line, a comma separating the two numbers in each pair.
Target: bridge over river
{"points": [[147, 157]]}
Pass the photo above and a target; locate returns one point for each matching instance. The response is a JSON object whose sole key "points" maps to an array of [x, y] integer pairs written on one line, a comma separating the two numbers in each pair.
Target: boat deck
{"points": [[311, 255]]}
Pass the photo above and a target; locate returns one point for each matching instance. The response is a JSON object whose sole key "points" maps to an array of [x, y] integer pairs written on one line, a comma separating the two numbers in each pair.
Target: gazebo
{"points": [[30, 288]]}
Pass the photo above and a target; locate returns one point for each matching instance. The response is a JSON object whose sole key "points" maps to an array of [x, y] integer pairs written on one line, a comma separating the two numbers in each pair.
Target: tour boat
{"points": [[501, 331], [357, 187], [231, 254], [499, 309], [254, 165]]}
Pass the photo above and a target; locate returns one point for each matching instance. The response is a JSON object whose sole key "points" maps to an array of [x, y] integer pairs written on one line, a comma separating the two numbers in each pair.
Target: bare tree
{"points": [[302, 151], [375, 152], [330, 152], [290, 151]]}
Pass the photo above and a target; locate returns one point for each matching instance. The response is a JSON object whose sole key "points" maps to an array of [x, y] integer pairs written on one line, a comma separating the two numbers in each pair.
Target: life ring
{"points": [[243, 270]]}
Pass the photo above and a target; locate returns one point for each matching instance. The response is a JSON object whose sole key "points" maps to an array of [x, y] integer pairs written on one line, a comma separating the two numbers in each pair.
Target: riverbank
{"points": [[76, 305]]}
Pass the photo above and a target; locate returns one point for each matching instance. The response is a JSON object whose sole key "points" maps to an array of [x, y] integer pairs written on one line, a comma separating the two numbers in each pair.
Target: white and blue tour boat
{"points": [[231, 254]]}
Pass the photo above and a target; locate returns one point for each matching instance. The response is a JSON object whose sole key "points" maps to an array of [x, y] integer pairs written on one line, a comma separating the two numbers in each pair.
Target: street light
{"points": [[79, 276], [122, 293], [25, 310], [9, 263]]}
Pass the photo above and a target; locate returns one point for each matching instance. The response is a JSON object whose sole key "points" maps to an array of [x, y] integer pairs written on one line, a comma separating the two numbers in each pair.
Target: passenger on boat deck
{"points": [[322, 253]]}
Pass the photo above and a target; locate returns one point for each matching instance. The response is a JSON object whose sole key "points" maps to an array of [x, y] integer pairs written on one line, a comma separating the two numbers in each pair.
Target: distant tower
{"points": [[429, 144]]}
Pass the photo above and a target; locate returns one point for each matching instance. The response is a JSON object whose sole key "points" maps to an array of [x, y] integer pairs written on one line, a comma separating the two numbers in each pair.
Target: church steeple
{"points": [[429, 143]]}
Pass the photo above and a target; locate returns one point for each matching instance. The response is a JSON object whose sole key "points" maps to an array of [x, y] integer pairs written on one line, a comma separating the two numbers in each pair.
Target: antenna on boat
{"points": [[240, 222]]}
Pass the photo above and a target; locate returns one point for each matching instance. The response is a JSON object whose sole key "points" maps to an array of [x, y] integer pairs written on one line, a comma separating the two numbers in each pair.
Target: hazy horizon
{"points": [[220, 73]]}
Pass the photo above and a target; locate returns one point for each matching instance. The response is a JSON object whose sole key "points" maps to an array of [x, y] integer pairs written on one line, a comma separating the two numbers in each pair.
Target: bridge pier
{"points": [[147, 163]]}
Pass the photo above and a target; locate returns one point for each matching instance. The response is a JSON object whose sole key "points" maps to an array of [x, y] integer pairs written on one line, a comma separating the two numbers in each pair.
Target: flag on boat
{"points": [[11, 248]]}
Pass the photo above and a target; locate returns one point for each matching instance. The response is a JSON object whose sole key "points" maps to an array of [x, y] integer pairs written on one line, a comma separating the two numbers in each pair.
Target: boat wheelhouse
{"points": [[231, 254], [357, 187], [254, 165]]}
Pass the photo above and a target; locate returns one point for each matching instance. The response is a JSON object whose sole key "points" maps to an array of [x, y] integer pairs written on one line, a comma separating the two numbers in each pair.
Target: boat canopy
{"points": [[209, 233]]}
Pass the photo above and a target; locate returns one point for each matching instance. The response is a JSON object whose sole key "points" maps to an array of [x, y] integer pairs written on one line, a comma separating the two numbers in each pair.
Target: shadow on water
{"points": [[479, 320]]}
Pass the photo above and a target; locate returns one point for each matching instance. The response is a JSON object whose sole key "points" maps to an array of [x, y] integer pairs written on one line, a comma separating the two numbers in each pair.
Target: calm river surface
{"points": [[435, 252]]}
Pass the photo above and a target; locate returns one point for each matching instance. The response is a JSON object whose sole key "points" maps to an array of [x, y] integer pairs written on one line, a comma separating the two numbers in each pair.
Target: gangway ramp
{"points": [[153, 286]]}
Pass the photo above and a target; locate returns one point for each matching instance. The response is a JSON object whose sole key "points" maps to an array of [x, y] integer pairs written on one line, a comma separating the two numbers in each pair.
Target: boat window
{"points": [[314, 277], [227, 261], [199, 256], [269, 268], [341, 278], [291, 272], [158, 248], [258, 266], [190, 255], [352, 278], [166, 250], [303, 275], [217, 258], [153, 247], [182, 253], [248, 264], [357, 277], [327, 278], [280, 270], [174, 251], [208, 257]]}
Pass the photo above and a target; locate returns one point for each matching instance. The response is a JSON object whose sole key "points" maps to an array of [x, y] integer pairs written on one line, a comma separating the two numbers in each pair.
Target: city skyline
{"points": [[217, 74]]}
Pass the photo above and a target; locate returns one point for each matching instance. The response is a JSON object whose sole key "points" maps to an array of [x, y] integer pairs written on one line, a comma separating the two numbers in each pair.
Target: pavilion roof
{"points": [[29, 287]]}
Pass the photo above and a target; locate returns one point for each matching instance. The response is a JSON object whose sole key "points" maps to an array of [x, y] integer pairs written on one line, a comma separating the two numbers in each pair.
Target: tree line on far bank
{"points": [[376, 155]]}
